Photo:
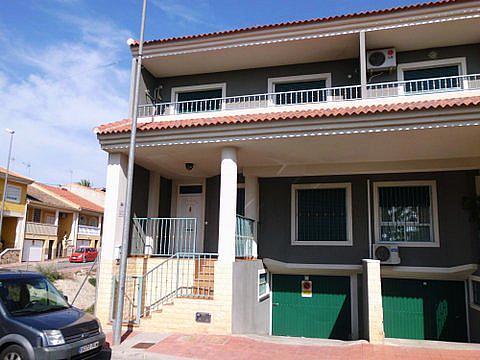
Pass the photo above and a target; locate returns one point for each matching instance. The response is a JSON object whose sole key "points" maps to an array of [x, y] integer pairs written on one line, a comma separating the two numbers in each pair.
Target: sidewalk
{"points": [[176, 346]]}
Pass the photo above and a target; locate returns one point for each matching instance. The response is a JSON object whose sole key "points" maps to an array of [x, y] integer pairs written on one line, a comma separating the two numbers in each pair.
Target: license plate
{"points": [[88, 347]]}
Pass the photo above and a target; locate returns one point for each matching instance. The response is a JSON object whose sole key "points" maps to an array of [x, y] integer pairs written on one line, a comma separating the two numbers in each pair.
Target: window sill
{"points": [[322, 243], [413, 245]]}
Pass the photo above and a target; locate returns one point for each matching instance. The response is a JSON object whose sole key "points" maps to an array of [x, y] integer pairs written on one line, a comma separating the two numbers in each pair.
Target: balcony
{"points": [[88, 230], [34, 228], [354, 95]]}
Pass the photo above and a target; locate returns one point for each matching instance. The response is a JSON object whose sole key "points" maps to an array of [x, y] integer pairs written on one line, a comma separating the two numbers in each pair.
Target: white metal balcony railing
{"points": [[88, 230], [163, 236], [41, 229], [312, 96]]}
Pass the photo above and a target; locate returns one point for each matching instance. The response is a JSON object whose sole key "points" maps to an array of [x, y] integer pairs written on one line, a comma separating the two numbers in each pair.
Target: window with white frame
{"points": [[263, 285], [321, 214], [406, 212], [299, 89], [434, 75], [475, 291], [198, 98], [14, 194]]}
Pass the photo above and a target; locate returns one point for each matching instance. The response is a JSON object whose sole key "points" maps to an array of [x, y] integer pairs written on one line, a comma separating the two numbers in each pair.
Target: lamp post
{"points": [[2, 209], [117, 325]]}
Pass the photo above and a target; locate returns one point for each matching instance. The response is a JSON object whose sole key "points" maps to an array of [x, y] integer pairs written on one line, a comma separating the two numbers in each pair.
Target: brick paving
{"points": [[179, 346]]}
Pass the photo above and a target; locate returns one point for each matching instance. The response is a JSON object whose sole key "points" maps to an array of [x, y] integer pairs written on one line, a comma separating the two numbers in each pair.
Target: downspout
{"points": [[369, 205]]}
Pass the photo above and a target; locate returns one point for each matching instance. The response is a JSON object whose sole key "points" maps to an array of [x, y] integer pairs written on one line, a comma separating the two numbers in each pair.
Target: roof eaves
{"points": [[429, 4]]}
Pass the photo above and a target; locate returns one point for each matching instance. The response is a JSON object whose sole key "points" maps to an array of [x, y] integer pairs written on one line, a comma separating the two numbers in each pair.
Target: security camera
{"points": [[189, 166]]}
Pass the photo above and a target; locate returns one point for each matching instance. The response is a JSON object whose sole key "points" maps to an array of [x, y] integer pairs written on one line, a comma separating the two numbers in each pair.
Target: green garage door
{"points": [[324, 315], [424, 309]]}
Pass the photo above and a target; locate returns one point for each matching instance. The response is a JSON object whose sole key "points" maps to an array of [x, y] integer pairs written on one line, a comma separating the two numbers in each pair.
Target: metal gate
{"points": [[324, 314]]}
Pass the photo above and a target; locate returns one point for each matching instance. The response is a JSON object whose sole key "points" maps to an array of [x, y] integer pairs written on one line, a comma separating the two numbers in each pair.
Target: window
{"points": [[14, 194], [475, 292], [190, 189], [321, 214], [436, 71], [241, 201], [198, 98], [406, 213], [82, 220], [290, 88], [93, 222], [37, 215], [263, 285]]}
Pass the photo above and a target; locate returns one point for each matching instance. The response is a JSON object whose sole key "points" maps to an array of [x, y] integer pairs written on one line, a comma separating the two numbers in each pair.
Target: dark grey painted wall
{"points": [[458, 235], [344, 72], [212, 205], [474, 317], [141, 180], [165, 204], [249, 316]]}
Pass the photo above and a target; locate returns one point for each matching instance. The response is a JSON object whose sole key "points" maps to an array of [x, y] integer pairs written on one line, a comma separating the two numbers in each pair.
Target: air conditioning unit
{"points": [[381, 59], [387, 254]]}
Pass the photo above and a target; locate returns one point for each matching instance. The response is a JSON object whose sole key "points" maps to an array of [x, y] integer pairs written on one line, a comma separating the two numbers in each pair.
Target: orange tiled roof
{"points": [[306, 22], [84, 204], [123, 126]]}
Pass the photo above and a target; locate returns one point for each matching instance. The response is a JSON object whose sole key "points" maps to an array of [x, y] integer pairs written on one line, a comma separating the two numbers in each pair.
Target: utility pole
{"points": [[2, 210], [117, 327]]}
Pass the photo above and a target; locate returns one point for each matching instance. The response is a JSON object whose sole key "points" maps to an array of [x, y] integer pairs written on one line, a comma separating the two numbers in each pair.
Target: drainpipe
{"points": [[117, 328]]}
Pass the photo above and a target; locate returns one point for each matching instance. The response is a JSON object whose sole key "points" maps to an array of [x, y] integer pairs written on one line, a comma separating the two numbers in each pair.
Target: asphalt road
{"points": [[58, 265]]}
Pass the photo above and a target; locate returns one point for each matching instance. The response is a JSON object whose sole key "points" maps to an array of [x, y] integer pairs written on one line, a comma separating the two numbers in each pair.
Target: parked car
{"points": [[36, 321], [83, 254]]}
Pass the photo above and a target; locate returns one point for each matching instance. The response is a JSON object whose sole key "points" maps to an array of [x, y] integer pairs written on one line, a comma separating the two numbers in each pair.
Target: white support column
{"points": [[363, 63], [114, 205], [112, 231], [74, 231], [372, 301], [57, 217], [228, 205], [153, 205], [251, 206]]}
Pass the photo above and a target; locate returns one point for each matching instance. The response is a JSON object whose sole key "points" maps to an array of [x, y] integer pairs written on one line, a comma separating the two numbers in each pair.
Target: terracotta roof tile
{"points": [[306, 22], [84, 204], [37, 193], [123, 126]]}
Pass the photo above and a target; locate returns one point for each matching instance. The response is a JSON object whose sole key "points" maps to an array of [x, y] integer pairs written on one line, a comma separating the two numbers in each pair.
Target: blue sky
{"points": [[64, 68]]}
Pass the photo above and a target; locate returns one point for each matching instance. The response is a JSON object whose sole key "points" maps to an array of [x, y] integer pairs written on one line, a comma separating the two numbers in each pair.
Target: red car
{"points": [[83, 254]]}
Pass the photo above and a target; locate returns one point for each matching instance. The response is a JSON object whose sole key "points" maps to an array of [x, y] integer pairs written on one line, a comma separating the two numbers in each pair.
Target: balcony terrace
{"points": [[43, 229], [331, 97]]}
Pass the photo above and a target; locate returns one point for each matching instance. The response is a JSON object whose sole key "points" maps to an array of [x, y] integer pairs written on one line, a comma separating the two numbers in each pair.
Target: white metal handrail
{"points": [[163, 236], [312, 96]]}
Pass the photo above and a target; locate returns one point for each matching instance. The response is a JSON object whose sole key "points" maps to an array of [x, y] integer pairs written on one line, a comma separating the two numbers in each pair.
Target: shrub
{"points": [[50, 273]]}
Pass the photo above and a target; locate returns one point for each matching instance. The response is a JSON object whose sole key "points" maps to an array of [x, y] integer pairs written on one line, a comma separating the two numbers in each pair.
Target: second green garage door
{"points": [[326, 314], [424, 309]]}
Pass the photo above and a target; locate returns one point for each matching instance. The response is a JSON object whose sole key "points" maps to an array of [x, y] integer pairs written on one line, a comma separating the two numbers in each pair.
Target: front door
{"points": [[189, 206]]}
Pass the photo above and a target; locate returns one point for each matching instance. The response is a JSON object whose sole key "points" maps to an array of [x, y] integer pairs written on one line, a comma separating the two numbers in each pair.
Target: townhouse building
{"points": [[13, 223], [310, 178]]}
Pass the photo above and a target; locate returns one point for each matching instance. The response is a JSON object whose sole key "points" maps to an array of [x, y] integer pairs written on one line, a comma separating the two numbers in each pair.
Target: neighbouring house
{"points": [[95, 195], [305, 179], [13, 224], [58, 221]]}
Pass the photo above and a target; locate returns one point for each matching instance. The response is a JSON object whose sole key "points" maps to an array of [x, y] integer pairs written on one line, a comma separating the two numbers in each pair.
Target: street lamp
{"points": [[2, 209]]}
